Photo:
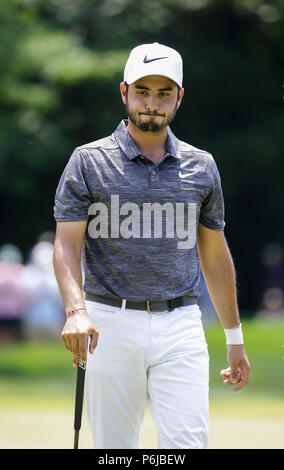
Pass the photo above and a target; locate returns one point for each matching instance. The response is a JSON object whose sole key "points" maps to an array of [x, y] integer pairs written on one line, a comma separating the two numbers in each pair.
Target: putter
{"points": [[81, 369]]}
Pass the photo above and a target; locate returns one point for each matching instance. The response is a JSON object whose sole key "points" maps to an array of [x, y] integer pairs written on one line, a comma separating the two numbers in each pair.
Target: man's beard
{"points": [[151, 125]]}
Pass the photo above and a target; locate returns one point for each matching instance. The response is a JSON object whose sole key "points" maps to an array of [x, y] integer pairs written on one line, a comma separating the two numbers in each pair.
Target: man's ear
{"points": [[180, 96], [123, 92]]}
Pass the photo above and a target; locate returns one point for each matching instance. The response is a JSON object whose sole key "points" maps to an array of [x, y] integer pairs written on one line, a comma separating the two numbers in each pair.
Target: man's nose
{"points": [[152, 104]]}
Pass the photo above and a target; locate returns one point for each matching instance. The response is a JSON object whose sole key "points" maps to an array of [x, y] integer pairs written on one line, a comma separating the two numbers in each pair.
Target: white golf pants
{"points": [[140, 356]]}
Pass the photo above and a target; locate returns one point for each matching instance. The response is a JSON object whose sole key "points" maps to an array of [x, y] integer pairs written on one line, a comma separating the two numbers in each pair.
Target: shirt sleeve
{"points": [[72, 197], [212, 209]]}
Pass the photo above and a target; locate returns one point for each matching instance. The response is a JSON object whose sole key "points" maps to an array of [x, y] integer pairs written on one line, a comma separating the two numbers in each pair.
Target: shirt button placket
{"points": [[154, 178]]}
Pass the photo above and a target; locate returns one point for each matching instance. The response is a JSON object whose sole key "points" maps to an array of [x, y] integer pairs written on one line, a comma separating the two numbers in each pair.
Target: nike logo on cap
{"points": [[146, 61]]}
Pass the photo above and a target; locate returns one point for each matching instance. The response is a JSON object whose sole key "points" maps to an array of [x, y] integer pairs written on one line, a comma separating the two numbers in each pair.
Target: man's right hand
{"points": [[77, 329]]}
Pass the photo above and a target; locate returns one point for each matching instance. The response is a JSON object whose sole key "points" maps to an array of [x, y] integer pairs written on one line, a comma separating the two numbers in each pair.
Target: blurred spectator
{"points": [[47, 236], [13, 296], [272, 266], [44, 318], [272, 304], [272, 281]]}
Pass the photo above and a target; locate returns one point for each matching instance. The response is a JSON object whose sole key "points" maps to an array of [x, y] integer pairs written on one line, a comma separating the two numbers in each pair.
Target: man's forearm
{"points": [[220, 277], [67, 268]]}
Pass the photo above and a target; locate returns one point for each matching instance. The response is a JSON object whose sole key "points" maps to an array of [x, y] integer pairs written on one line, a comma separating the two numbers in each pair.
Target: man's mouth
{"points": [[153, 115]]}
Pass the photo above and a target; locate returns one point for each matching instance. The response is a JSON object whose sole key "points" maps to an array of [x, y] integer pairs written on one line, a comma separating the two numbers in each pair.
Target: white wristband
{"points": [[234, 335]]}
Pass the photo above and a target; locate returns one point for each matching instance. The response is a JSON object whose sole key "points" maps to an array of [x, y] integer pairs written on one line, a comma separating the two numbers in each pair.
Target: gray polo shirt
{"points": [[140, 242]]}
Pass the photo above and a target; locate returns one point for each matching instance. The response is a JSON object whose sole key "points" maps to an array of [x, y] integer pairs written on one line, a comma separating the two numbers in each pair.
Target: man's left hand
{"points": [[239, 367]]}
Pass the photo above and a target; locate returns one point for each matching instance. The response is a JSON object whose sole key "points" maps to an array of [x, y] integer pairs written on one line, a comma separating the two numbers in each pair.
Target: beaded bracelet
{"points": [[70, 313]]}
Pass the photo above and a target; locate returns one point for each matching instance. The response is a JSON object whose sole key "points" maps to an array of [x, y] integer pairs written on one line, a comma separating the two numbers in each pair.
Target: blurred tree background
{"points": [[61, 65]]}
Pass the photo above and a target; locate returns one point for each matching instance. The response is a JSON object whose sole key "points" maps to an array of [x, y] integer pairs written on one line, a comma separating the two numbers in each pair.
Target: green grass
{"points": [[47, 423], [32, 368], [36, 368], [34, 359], [264, 343], [37, 389]]}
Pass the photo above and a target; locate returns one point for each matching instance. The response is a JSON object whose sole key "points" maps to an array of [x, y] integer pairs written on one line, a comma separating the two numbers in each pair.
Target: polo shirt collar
{"points": [[130, 149]]}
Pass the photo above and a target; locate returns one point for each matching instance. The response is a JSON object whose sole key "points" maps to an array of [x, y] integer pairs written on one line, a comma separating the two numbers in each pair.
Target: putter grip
{"points": [[81, 368]]}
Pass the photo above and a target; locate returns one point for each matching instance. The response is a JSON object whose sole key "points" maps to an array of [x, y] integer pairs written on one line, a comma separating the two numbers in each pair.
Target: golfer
{"points": [[146, 212]]}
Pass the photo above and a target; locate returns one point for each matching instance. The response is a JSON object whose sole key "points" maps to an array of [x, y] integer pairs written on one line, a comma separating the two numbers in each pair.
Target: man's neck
{"points": [[151, 144]]}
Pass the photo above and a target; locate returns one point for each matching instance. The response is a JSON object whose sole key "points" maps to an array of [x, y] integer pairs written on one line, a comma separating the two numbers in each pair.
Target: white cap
{"points": [[153, 59]]}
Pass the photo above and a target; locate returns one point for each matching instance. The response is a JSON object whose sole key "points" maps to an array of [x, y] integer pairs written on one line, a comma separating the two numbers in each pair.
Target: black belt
{"points": [[151, 306]]}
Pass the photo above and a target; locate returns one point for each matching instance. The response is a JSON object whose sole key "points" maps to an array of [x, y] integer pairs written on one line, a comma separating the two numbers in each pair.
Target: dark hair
{"points": [[179, 88], [126, 86]]}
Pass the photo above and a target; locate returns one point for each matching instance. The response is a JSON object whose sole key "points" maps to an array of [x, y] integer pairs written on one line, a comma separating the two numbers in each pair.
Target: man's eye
{"points": [[163, 93], [142, 92]]}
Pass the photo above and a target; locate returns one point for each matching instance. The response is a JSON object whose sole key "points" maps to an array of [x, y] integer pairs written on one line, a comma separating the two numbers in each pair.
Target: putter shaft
{"points": [[76, 439], [81, 369]]}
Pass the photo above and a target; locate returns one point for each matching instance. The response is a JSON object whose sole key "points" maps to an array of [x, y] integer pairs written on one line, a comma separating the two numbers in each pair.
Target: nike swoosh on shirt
{"points": [[146, 61]]}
